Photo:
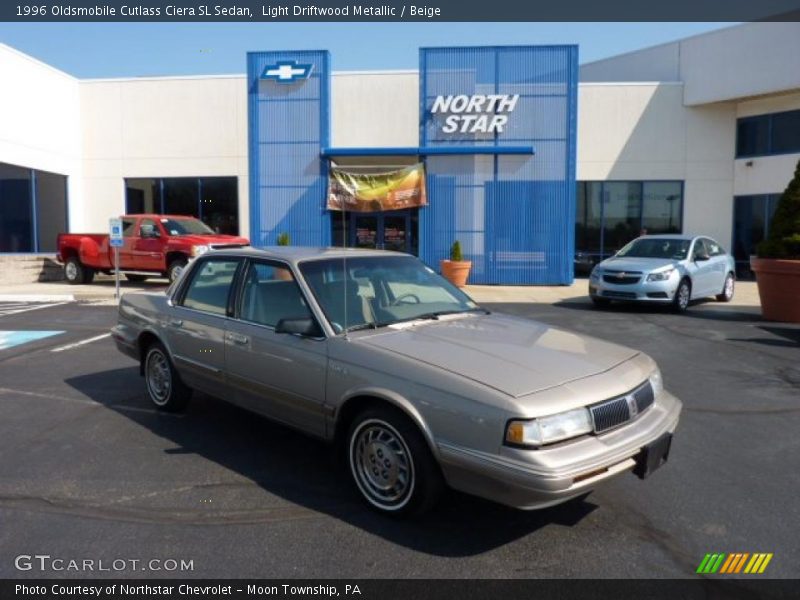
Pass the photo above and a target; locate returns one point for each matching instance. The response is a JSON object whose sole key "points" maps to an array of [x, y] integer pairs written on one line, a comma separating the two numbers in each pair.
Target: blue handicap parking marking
{"points": [[9, 339]]}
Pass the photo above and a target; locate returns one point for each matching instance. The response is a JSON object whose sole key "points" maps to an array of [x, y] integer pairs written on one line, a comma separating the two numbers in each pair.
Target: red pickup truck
{"points": [[153, 246]]}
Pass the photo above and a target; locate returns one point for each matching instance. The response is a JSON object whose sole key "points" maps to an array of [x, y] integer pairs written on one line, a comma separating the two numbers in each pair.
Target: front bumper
{"points": [[532, 479], [643, 291]]}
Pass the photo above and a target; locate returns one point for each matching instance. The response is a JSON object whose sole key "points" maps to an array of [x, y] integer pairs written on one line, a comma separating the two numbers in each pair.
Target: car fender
{"points": [[395, 399]]}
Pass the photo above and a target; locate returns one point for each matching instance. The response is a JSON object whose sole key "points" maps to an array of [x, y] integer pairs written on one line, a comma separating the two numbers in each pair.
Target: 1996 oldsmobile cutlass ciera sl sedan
{"points": [[418, 385]]}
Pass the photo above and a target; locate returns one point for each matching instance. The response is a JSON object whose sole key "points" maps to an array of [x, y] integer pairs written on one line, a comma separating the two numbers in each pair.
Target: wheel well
{"points": [[173, 256], [355, 405], [145, 340]]}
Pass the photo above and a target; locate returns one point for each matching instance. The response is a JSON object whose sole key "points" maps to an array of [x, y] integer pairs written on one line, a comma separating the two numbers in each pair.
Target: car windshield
{"points": [[376, 291], [674, 249], [186, 227]]}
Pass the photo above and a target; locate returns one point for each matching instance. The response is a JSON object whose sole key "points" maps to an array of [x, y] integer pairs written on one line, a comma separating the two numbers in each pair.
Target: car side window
{"points": [[714, 249], [148, 228], [699, 249], [210, 286], [128, 225], [270, 293]]}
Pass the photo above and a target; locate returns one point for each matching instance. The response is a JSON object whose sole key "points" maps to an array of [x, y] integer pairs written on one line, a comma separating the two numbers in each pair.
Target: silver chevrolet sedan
{"points": [[665, 269], [418, 386]]}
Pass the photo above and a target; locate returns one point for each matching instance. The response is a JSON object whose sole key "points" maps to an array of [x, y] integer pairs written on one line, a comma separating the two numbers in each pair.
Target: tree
{"points": [[784, 231]]}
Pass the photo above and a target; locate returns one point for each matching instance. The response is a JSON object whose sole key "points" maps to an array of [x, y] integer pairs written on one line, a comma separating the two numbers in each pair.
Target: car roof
{"points": [[671, 236], [156, 216], [295, 254]]}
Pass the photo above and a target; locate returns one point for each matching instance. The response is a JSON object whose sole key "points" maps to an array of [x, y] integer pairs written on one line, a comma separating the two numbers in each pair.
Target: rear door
{"points": [[196, 324], [129, 232], [281, 375]]}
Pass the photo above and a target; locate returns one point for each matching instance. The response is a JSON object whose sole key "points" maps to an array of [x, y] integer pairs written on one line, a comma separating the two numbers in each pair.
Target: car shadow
{"points": [[787, 337], [305, 472], [698, 309]]}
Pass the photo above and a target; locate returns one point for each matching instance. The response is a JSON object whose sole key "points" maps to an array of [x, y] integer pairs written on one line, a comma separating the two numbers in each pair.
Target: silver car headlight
{"points": [[197, 250], [656, 382], [596, 273], [546, 430], [661, 275]]}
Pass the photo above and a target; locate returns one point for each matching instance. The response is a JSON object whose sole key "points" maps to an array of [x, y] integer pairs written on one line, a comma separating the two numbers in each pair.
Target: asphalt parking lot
{"points": [[89, 470]]}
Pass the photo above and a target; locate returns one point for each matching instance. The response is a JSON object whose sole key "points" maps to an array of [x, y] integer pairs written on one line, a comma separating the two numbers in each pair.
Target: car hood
{"points": [[643, 265], [210, 239], [512, 355]]}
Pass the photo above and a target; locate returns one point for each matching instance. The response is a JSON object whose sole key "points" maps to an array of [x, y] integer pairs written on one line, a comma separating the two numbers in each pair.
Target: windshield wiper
{"points": [[434, 316], [370, 325]]}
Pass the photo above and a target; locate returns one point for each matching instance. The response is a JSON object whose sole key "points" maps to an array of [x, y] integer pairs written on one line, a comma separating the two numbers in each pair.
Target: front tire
{"points": [[164, 385], [391, 464], [727, 289], [683, 296], [175, 269]]}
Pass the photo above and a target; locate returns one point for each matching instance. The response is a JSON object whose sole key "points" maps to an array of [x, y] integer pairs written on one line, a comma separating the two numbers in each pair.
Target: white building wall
{"points": [[39, 120], [375, 109], [160, 127], [643, 131]]}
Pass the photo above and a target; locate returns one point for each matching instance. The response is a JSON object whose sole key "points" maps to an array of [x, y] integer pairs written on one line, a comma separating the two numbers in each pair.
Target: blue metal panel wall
{"points": [[514, 215], [288, 126]]}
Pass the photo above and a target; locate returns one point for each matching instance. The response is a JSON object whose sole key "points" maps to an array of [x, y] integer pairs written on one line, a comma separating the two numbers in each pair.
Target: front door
{"points": [[384, 231]]}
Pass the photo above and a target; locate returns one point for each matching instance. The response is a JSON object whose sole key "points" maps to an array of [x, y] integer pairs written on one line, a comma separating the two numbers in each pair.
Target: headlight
{"points": [[198, 250], [546, 430], [657, 382], [596, 273], [661, 275]]}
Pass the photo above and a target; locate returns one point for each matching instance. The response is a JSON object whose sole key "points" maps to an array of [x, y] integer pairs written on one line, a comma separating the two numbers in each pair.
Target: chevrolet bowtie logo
{"points": [[287, 71]]}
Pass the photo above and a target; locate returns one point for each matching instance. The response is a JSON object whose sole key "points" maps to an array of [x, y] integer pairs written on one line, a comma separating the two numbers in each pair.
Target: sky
{"points": [[150, 49]]}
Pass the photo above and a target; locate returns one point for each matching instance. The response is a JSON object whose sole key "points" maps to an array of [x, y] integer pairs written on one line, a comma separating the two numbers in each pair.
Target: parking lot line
{"points": [[81, 343], [14, 308]]}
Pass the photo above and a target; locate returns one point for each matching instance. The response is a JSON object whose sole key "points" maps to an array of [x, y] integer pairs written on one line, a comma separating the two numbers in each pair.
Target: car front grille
{"points": [[617, 411], [622, 277], [613, 294]]}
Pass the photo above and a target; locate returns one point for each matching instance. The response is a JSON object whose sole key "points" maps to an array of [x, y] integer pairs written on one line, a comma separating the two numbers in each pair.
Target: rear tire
{"points": [[164, 386], [76, 273], [136, 278], [175, 269], [727, 289], [391, 464], [683, 296]]}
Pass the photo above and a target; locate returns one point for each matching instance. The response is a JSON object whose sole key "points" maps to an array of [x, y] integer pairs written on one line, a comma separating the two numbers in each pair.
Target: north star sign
{"points": [[479, 113]]}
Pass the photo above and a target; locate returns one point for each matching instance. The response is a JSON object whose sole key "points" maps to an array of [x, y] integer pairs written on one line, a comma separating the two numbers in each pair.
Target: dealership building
{"points": [[531, 160]]}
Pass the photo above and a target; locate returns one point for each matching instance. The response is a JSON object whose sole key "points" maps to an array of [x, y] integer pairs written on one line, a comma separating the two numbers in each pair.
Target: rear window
{"points": [[210, 286]]}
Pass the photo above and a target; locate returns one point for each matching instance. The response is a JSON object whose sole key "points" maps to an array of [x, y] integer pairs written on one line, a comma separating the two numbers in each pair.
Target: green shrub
{"points": [[283, 239], [455, 252], [784, 231]]}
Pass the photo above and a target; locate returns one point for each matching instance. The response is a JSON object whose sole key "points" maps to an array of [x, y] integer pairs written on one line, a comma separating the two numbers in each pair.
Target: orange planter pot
{"points": [[456, 272], [779, 288]]}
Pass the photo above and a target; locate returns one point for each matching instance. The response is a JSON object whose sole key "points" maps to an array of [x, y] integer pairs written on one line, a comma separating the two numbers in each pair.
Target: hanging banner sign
{"points": [[376, 192]]}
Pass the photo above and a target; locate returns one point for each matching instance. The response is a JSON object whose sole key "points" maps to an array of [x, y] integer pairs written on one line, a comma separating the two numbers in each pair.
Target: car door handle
{"points": [[238, 338], [176, 322]]}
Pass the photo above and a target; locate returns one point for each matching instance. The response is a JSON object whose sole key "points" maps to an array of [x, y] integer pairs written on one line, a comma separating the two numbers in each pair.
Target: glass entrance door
{"points": [[383, 231]]}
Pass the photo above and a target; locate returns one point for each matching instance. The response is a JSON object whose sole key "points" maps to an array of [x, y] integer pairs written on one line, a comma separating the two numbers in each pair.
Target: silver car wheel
{"points": [[71, 271], [381, 465], [683, 295], [729, 287], [159, 377]]}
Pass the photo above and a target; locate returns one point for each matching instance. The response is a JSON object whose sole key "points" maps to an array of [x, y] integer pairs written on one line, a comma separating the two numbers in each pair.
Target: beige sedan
{"points": [[418, 386]]}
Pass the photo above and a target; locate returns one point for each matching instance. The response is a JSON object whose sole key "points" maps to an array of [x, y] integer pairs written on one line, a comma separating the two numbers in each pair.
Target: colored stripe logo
{"points": [[737, 562]]}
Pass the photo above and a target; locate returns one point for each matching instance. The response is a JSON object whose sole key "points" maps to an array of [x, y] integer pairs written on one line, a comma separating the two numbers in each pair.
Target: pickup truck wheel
{"points": [[390, 463], [164, 385], [74, 271], [175, 269]]}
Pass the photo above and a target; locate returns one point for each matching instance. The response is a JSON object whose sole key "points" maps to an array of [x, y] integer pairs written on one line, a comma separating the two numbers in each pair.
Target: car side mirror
{"points": [[305, 326]]}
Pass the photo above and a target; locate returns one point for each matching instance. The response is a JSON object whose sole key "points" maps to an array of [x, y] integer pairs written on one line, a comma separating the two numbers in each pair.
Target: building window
{"points": [[33, 209], [752, 216], [214, 200], [609, 214], [763, 135]]}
